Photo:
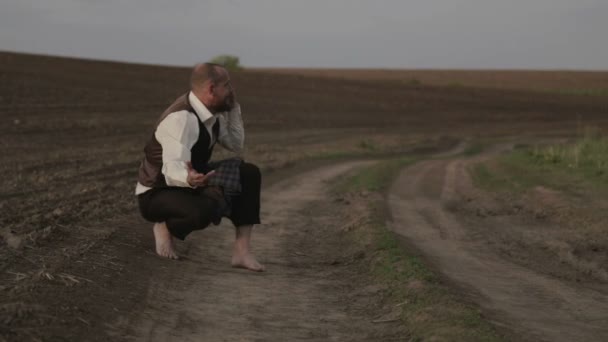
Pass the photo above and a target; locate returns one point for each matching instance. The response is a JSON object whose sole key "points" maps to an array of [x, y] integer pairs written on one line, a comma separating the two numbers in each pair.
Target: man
{"points": [[179, 189]]}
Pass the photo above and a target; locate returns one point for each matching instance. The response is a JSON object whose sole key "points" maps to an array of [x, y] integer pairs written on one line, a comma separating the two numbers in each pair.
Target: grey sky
{"points": [[522, 34]]}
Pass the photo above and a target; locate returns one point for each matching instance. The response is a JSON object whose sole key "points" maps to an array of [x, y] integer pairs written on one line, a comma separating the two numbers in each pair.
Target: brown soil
{"points": [[505, 79], [311, 290], [435, 206]]}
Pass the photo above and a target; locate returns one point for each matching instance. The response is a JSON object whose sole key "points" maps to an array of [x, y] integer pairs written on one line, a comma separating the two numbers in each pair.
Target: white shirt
{"points": [[179, 131]]}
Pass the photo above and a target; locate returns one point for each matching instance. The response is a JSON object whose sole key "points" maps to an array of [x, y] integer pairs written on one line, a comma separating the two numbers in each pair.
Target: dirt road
{"points": [[304, 294], [531, 304]]}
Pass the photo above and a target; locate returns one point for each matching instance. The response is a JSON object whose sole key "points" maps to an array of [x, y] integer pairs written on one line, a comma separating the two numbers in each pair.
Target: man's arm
{"points": [[232, 132], [177, 133]]}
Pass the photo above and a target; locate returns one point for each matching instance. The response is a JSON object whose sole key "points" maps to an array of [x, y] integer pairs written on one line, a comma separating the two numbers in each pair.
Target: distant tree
{"points": [[228, 61]]}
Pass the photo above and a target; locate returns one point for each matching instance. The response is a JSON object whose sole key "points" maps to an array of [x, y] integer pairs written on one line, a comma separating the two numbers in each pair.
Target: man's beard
{"points": [[227, 105]]}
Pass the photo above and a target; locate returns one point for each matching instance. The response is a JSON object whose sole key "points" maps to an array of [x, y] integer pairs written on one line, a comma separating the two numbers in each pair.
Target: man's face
{"points": [[224, 96]]}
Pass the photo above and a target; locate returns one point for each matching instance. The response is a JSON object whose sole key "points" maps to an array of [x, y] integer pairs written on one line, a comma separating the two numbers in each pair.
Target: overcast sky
{"points": [[479, 34]]}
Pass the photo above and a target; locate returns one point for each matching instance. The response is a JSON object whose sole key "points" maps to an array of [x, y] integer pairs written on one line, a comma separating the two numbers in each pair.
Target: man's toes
{"points": [[247, 262], [167, 253], [257, 267]]}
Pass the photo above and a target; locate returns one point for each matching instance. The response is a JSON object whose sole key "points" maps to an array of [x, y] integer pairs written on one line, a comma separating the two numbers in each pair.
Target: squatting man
{"points": [[179, 188]]}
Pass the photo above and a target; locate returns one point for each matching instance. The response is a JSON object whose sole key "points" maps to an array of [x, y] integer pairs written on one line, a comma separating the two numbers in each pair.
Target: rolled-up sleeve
{"points": [[177, 133], [232, 132]]}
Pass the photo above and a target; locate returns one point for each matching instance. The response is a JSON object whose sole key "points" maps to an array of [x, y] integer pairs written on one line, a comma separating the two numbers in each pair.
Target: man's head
{"points": [[211, 84]]}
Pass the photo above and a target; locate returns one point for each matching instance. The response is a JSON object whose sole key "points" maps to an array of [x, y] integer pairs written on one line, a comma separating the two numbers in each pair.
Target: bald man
{"points": [[179, 188]]}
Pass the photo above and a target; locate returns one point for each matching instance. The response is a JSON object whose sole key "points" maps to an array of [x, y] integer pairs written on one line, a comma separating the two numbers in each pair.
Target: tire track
{"points": [[531, 304]]}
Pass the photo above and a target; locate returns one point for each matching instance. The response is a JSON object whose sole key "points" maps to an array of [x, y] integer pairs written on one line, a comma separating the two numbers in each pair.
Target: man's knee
{"points": [[206, 211], [250, 173]]}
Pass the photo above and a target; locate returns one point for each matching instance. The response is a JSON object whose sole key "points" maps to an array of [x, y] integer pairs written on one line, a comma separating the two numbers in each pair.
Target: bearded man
{"points": [[179, 188]]}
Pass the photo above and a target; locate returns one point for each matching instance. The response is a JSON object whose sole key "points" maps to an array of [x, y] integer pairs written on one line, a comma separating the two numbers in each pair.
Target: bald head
{"points": [[210, 83], [204, 72]]}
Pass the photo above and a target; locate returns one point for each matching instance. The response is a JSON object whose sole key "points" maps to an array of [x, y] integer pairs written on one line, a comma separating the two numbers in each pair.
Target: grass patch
{"points": [[508, 174], [374, 178], [564, 167], [395, 263], [367, 145], [587, 157], [473, 149], [429, 309]]}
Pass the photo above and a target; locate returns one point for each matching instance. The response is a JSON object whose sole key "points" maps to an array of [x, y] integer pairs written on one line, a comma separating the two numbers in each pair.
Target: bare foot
{"points": [[247, 261], [164, 241]]}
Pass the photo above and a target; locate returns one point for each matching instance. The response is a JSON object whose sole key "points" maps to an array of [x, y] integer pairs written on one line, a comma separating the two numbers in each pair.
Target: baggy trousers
{"points": [[185, 210]]}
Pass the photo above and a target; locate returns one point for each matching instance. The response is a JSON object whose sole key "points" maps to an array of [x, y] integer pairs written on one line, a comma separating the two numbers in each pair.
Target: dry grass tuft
{"points": [[37, 236]]}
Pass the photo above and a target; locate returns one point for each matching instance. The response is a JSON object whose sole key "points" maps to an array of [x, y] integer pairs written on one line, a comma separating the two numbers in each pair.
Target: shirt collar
{"points": [[203, 113]]}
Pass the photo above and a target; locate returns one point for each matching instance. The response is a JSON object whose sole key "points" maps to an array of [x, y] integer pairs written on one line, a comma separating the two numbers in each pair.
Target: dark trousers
{"points": [[185, 210]]}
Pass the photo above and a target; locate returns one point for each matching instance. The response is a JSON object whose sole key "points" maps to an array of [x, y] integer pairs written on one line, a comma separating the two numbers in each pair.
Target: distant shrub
{"points": [[229, 62]]}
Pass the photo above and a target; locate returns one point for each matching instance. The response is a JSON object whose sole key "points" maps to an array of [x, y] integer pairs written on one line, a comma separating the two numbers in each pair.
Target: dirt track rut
{"points": [[532, 305]]}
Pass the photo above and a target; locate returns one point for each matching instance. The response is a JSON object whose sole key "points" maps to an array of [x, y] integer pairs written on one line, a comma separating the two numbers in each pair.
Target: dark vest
{"points": [[150, 170]]}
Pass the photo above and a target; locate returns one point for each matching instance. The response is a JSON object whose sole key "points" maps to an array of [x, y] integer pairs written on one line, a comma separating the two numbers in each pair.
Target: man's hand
{"points": [[231, 100], [196, 179]]}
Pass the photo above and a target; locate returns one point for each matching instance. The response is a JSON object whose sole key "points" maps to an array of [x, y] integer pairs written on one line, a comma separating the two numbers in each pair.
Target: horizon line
{"points": [[262, 68]]}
